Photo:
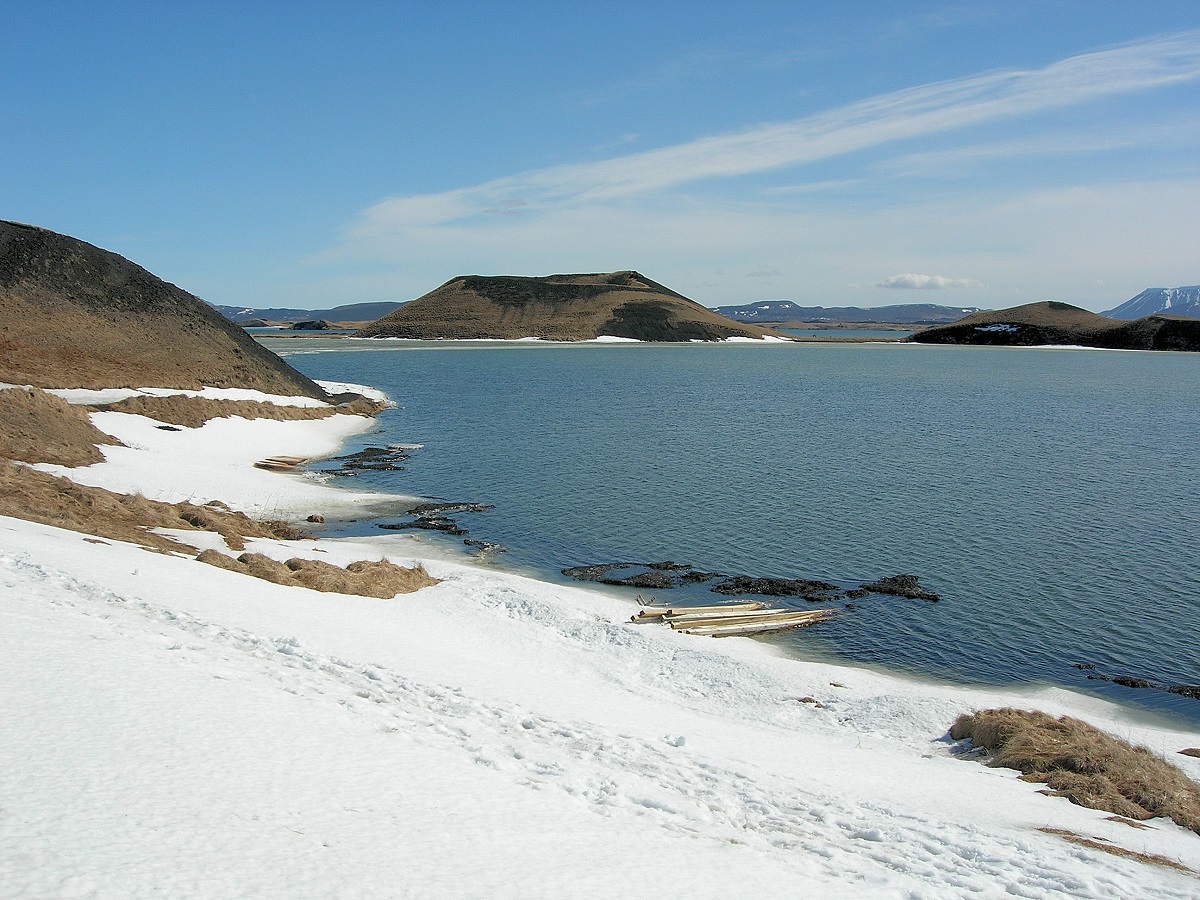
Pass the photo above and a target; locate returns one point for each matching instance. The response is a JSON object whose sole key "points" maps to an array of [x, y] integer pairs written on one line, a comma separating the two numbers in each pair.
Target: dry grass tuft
{"points": [[364, 578], [38, 497], [1083, 764], [37, 427], [192, 412], [1105, 847]]}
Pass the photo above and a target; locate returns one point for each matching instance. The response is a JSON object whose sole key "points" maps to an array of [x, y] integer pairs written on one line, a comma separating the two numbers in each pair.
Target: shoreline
{"points": [[520, 710]]}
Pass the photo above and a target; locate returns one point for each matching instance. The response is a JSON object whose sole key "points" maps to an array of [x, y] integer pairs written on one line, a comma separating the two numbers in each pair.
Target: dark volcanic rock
{"points": [[311, 325], [1186, 690], [901, 586], [444, 509], [427, 523], [778, 587], [374, 459]]}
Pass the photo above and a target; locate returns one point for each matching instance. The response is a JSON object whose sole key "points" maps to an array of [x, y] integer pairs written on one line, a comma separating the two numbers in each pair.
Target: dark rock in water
{"points": [[857, 594], [697, 577], [482, 547], [311, 325], [669, 566], [652, 580], [901, 586], [594, 573], [316, 518], [778, 587], [1084, 666], [1131, 682], [375, 459], [602, 574], [428, 523], [1186, 690], [443, 509]]}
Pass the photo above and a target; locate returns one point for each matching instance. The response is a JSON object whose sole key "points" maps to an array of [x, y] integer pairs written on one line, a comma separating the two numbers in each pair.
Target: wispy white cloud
{"points": [[926, 282], [910, 113]]}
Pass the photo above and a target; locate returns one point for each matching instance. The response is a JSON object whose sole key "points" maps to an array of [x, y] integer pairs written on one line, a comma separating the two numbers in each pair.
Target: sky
{"points": [[863, 154]]}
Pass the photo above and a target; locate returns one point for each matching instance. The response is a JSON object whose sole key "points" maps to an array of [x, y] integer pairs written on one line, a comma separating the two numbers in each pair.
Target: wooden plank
{"points": [[754, 628], [746, 619]]}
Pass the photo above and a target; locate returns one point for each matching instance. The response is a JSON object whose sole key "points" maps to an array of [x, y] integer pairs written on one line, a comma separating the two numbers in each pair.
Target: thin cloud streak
{"points": [[924, 110]]}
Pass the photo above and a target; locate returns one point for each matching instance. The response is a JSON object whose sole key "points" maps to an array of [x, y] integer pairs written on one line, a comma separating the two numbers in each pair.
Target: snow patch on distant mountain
{"points": [[1177, 301]]}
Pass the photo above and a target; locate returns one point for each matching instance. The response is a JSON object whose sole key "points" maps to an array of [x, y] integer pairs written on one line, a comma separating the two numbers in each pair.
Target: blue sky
{"points": [[313, 154]]}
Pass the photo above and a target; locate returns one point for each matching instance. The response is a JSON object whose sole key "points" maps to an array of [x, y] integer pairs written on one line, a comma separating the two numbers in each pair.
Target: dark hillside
{"points": [[73, 315]]}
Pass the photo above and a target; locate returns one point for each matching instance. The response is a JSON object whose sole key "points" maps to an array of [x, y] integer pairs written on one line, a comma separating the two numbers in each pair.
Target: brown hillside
{"points": [[557, 308], [1051, 323], [73, 315]]}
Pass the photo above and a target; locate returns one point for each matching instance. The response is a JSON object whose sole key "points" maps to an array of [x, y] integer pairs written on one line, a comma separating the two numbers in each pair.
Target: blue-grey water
{"points": [[1049, 496]]}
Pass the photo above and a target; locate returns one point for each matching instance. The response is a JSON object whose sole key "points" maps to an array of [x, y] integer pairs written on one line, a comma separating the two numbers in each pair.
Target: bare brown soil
{"points": [[558, 308], [365, 578], [37, 427], [1085, 765]]}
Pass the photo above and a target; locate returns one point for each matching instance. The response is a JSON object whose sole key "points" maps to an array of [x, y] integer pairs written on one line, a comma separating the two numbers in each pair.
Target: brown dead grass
{"points": [[37, 427], [192, 412], [1083, 764], [1116, 850], [365, 578], [50, 500]]}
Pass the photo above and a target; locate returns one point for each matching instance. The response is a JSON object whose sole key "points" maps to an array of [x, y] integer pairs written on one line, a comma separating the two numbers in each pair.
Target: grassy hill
{"points": [[73, 315], [557, 308]]}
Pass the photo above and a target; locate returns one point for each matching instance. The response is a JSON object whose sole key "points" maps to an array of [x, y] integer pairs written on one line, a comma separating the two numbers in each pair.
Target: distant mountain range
{"points": [[775, 312], [352, 312], [1178, 301], [557, 308]]}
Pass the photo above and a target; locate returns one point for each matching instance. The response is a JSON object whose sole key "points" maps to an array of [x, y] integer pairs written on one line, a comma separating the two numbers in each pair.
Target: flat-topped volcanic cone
{"points": [[557, 308], [1052, 323], [73, 315]]}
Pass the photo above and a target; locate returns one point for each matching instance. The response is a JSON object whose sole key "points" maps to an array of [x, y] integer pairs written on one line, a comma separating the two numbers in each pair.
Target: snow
{"points": [[176, 729]]}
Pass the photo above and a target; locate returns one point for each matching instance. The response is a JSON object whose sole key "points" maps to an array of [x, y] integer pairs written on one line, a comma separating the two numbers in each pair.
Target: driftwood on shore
{"points": [[731, 619]]}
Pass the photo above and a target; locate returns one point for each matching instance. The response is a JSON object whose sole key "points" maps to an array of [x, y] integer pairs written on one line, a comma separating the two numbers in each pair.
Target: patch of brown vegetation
{"points": [[192, 412], [38, 497], [36, 427], [1106, 847], [1083, 764], [364, 578]]}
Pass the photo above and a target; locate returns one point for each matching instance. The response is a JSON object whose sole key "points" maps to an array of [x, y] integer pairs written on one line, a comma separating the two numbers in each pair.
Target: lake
{"points": [[1048, 495]]}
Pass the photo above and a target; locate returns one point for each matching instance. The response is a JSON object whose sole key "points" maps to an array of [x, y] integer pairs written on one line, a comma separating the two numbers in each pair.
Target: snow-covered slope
{"points": [[1177, 301], [172, 729]]}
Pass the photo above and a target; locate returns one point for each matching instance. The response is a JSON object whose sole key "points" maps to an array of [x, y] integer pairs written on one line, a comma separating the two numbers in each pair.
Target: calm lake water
{"points": [[1049, 496]]}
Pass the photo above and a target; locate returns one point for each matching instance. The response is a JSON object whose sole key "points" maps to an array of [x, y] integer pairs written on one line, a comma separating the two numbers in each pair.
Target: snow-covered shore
{"points": [[173, 729]]}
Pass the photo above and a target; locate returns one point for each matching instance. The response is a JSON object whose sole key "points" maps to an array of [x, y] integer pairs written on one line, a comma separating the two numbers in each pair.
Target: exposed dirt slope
{"points": [[1050, 323], [72, 315], [557, 308]]}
